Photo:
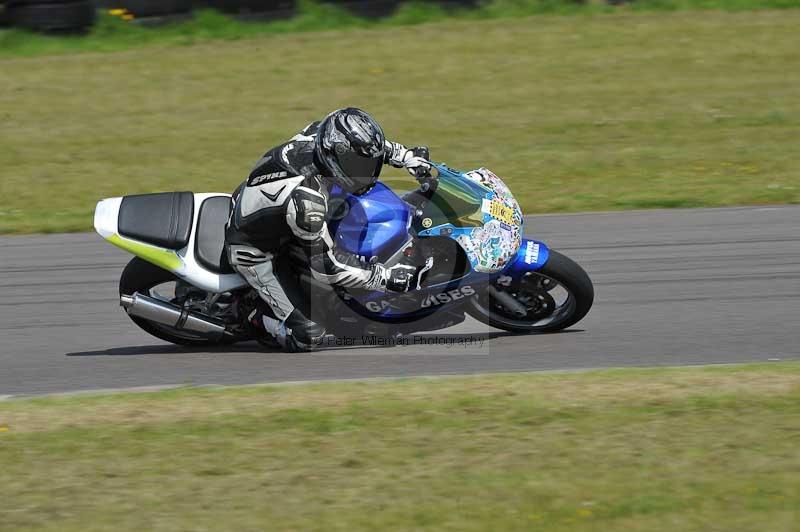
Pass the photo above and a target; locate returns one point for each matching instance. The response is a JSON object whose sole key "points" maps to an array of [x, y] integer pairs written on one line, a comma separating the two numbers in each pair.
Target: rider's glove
{"points": [[415, 160], [402, 278]]}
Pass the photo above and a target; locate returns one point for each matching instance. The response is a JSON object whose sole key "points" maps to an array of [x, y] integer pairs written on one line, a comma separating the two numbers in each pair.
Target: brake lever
{"points": [[423, 270]]}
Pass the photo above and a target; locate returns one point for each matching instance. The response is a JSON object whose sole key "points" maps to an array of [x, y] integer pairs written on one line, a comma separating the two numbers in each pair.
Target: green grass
{"points": [[607, 111], [112, 33], [635, 450]]}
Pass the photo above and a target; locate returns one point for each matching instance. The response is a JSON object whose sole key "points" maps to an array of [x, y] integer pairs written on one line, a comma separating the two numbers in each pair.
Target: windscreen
{"points": [[478, 211], [457, 201]]}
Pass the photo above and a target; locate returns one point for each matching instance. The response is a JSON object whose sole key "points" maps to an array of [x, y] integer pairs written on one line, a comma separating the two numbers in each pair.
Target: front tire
{"points": [[142, 276], [545, 313]]}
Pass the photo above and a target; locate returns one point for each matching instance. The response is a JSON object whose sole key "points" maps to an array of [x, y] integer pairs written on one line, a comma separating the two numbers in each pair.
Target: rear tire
{"points": [[255, 10], [149, 8], [565, 272], [140, 276], [369, 9], [57, 17], [4, 18]]}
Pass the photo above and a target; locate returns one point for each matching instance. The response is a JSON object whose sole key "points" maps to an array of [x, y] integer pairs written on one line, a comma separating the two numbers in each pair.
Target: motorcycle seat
{"points": [[163, 219], [209, 244]]}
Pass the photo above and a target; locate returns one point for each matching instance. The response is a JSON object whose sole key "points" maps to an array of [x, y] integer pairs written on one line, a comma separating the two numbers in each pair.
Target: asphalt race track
{"points": [[672, 287]]}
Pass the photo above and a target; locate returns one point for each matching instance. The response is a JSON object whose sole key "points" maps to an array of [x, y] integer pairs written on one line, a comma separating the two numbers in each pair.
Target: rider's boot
{"points": [[294, 334]]}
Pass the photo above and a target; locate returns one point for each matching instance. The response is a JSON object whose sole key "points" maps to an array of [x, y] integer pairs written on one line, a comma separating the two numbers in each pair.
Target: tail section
{"points": [[162, 229], [106, 223]]}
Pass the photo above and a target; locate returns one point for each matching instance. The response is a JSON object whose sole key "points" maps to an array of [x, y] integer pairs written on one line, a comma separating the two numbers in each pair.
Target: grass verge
{"points": [[113, 34], [614, 111], [687, 449]]}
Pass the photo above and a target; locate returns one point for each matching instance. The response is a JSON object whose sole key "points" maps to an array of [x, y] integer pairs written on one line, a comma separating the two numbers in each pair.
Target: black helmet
{"points": [[350, 149]]}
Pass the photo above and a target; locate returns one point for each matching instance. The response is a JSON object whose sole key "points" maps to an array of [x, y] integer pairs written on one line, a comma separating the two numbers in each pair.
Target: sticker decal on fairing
{"points": [[375, 306], [447, 297], [430, 301], [491, 247], [531, 253], [500, 212]]}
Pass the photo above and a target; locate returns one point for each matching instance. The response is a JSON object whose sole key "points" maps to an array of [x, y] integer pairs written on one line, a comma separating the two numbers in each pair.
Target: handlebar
{"points": [[422, 174], [428, 184]]}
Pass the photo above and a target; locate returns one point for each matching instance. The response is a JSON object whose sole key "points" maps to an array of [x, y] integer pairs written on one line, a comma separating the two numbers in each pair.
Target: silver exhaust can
{"points": [[171, 315]]}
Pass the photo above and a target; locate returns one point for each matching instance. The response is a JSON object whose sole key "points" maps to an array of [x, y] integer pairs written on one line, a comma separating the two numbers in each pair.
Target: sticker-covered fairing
{"points": [[491, 244]]}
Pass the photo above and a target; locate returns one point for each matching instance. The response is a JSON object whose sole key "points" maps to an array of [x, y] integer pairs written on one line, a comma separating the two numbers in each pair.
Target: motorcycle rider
{"points": [[284, 201]]}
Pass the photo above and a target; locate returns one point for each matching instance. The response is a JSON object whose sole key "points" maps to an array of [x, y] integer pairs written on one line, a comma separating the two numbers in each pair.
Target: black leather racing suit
{"points": [[284, 203]]}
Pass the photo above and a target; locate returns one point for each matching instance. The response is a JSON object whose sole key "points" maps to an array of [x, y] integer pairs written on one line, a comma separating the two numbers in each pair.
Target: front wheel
{"points": [[553, 298]]}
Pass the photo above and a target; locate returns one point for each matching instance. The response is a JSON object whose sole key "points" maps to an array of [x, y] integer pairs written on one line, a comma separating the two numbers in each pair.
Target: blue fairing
{"points": [[532, 256], [376, 223]]}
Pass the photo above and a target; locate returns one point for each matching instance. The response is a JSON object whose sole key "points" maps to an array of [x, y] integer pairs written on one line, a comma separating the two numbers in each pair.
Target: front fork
{"points": [[531, 257]]}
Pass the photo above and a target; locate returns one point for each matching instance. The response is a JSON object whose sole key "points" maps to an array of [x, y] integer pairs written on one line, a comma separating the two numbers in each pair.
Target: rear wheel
{"points": [[150, 280], [57, 16], [149, 8], [4, 18], [555, 297]]}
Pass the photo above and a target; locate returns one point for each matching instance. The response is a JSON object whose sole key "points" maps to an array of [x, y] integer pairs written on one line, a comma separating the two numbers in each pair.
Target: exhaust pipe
{"points": [[508, 301], [171, 315]]}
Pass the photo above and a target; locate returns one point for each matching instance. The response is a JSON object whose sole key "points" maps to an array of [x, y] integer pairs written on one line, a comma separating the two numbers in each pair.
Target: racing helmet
{"points": [[350, 149]]}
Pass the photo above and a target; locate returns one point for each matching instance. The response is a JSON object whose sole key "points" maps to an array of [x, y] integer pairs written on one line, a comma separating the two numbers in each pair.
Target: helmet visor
{"points": [[357, 174]]}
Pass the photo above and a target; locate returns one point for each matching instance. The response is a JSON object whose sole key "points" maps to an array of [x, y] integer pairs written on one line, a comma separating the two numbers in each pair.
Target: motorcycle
{"points": [[464, 229]]}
